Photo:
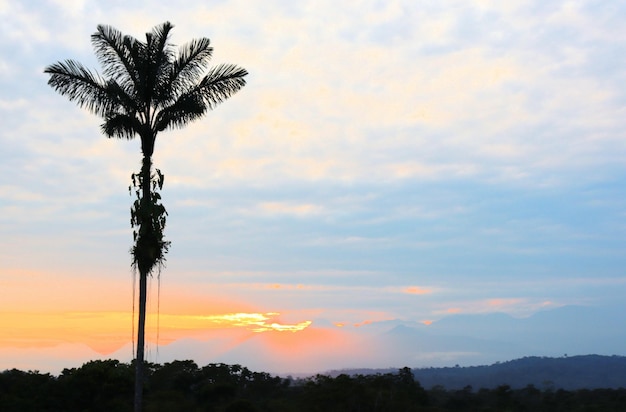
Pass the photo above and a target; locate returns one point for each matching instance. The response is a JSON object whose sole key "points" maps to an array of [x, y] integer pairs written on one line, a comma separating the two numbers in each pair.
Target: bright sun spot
{"points": [[281, 328], [256, 322]]}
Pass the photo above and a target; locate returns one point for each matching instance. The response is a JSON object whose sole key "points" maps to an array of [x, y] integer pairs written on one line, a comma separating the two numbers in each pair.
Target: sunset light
{"points": [[399, 183], [105, 332], [256, 322]]}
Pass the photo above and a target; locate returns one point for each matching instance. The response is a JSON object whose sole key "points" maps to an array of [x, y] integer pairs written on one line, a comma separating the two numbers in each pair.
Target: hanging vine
{"points": [[147, 218]]}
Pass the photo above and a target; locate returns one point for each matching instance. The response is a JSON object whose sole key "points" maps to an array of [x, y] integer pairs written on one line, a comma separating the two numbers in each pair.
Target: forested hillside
{"points": [[571, 373], [184, 386]]}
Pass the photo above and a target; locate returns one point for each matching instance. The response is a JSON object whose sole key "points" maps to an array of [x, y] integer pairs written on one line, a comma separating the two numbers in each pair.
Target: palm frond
{"points": [[118, 54], [157, 63], [220, 83], [121, 126], [129, 104], [80, 85], [193, 58], [156, 40], [187, 108]]}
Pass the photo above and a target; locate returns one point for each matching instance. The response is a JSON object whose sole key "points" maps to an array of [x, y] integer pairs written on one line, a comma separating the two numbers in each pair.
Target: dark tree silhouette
{"points": [[145, 88]]}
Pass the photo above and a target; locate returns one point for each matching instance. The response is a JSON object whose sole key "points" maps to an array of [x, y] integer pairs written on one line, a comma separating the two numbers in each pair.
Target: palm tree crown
{"points": [[147, 87]]}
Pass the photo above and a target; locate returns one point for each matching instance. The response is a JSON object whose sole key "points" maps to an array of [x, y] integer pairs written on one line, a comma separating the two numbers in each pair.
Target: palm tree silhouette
{"points": [[145, 88]]}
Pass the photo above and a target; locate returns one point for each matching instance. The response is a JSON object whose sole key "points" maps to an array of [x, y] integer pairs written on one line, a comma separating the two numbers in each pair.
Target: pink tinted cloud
{"points": [[503, 302], [417, 290]]}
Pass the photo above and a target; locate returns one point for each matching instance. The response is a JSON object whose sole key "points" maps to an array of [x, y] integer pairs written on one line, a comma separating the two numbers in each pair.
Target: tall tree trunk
{"points": [[145, 259], [141, 332]]}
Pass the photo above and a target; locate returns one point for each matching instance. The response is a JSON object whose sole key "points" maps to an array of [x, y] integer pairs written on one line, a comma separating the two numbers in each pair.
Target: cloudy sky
{"points": [[387, 160]]}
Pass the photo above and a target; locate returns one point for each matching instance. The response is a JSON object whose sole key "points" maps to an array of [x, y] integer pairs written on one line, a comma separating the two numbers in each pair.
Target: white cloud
{"points": [[329, 101]]}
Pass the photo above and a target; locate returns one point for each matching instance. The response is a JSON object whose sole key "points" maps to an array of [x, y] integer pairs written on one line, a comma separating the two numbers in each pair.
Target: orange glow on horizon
{"points": [[311, 340], [106, 332]]}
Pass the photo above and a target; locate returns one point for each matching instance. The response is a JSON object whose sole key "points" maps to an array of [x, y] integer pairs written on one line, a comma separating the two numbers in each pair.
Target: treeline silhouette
{"points": [[183, 386], [567, 372]]}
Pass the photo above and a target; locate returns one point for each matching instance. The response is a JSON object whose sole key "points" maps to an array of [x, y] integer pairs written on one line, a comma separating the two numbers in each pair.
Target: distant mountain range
{"points": [[569, 373], [487, 338], [551, 348]]}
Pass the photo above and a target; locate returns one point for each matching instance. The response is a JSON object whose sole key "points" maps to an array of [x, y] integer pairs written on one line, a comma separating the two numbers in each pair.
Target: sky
{"points": [[387, 161]]}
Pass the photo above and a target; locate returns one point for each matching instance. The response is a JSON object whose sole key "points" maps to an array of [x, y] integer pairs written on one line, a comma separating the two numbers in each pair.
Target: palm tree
{"points": [[146, 87]]}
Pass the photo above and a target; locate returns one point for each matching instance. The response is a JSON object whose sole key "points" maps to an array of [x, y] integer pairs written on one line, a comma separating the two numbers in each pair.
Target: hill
{"points": [[569, 373]]}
